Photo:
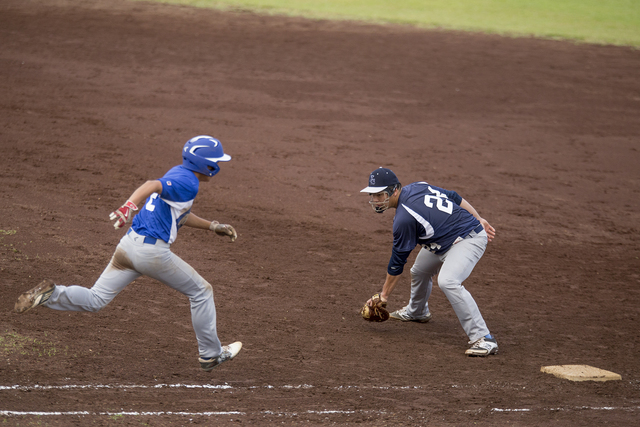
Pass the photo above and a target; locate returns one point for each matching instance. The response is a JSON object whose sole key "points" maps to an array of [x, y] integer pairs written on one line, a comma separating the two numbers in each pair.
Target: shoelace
{"points": [[477, 343]]}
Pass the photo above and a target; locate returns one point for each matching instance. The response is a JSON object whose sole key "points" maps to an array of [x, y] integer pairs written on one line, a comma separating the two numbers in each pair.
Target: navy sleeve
{"points": [[453, 196], [397, 262]]}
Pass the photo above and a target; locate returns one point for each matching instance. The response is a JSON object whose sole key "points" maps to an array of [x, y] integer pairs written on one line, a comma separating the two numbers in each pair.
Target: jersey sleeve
{"points": [[179, 187], [451, 195], [396, 262]]}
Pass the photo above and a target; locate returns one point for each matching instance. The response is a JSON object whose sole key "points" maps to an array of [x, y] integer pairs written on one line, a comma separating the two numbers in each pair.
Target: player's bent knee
{"points": [[448, 283], [419, 274], [98, 303], [204, 293]]}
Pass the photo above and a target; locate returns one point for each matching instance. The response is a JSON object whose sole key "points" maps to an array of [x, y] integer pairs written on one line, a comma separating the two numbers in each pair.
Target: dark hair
{"points": [[390, 189]]}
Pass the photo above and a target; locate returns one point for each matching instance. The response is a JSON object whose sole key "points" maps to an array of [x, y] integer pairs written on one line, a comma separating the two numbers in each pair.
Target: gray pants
{"points": [[132, 259], [452, 269]]}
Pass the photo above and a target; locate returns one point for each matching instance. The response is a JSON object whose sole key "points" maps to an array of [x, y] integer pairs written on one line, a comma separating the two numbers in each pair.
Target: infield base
{"points": [[580, 373]]}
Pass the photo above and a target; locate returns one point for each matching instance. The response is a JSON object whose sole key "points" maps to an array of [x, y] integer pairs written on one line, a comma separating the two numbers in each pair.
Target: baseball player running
{"points": [[453, 238], [145, 250]]}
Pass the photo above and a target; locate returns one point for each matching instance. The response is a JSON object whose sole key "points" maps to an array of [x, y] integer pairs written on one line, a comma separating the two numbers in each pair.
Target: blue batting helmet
{"points": [[202, 153]]}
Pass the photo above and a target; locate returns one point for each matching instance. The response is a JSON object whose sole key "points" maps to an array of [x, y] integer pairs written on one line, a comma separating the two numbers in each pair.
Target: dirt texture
{"points": [[541, 137]]}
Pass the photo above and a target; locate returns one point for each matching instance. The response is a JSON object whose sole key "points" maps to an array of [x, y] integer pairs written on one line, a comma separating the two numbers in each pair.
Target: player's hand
{"points": [[123, 214], [375, 310], [491, 232], [224, 230], [378, 297]]}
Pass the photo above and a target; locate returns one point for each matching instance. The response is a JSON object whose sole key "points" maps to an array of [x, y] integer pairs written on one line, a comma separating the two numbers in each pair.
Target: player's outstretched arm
{"points": [[220, 229], [124, 213], [389, 284], [145, 190], [387, 288], [491, 232]]}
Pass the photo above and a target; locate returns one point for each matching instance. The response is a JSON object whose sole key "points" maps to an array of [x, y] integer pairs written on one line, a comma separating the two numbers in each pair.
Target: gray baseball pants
{"points": [[452, 269], [134, 258]]}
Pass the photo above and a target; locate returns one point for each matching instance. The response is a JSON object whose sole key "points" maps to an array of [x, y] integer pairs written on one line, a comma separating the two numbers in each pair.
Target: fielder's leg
{"points": [[459, 261], [424, 268]]}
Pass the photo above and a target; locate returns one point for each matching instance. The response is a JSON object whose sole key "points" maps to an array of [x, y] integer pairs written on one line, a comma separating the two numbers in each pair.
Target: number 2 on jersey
{"points": [[150, 206], [442, 202]]}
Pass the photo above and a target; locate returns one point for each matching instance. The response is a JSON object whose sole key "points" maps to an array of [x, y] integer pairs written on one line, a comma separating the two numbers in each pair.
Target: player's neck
{"points": [[201, 177], [393, 200]]}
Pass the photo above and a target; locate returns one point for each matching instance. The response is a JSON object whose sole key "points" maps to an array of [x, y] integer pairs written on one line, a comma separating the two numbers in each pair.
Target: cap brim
{"points": [[224, 158], [372, 190]]}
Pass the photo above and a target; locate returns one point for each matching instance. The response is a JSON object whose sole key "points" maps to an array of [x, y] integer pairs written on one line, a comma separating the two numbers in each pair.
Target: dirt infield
{"points": [[542, 137]]}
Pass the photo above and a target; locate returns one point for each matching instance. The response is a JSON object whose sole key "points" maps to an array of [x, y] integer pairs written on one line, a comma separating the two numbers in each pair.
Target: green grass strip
{"points": [[593, 21], [12, 343]]}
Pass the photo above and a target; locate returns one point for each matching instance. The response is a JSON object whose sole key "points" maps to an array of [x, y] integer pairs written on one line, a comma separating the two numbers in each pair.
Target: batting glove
{"points": [[224, 230], [123, 214]]}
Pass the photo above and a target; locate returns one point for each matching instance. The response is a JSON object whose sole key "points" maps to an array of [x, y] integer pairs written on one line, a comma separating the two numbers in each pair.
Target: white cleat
{"points": [[483, 347], [228, 352], [403, 315], [35, 297]]}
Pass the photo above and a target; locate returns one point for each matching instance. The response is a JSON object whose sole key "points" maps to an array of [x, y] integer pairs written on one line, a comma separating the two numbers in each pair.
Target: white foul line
{"points": [[39, 413], [136, 413], [226, 386], [574, 408], [274, 413]]}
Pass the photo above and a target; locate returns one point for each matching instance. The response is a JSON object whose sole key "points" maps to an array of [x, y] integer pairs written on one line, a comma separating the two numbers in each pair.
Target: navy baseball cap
{"points": [[379, 180]]}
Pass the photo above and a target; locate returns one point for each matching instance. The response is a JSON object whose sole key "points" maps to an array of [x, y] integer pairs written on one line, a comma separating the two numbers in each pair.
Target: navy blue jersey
{"points": [[163, 214], [429, 216]]}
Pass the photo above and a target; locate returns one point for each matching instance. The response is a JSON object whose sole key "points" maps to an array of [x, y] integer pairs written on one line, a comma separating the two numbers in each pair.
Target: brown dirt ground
{"points": [[542, 137]]}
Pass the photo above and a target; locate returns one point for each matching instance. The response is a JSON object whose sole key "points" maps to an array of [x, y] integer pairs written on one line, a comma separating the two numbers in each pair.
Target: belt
{"points": [[150, 240], [475, 231], [147, 240]]}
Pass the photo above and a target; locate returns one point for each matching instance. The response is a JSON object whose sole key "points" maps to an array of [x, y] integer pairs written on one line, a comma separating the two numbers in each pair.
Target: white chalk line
{"points": [[182, 413], [290, 414], [571, 408], [225, 386], [40, 413]]}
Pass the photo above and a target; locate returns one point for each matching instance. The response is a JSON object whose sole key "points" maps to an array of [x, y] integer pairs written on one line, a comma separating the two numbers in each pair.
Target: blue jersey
{"points": [[429, 216], [163, 214]]}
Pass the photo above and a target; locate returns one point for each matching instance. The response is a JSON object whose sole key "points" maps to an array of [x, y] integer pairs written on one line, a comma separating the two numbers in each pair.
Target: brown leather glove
{"points": [[377, 311]]}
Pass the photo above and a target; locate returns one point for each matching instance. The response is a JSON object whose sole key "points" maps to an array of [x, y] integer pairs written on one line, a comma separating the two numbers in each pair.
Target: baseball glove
{"points": [[377, 311]]}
